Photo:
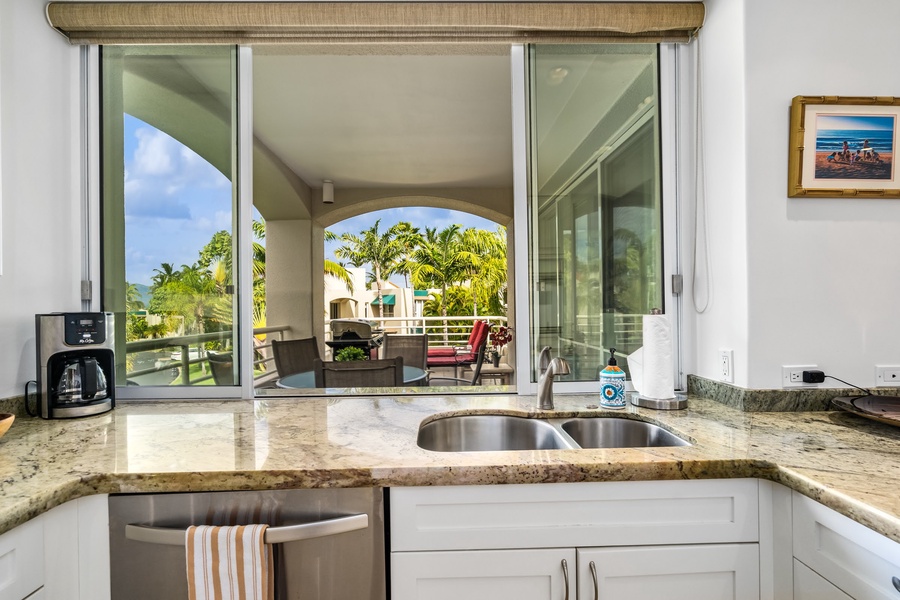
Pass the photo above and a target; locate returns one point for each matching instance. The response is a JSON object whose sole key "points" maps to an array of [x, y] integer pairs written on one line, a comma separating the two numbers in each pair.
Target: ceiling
{"points": [[371, 117], [378, 120]]}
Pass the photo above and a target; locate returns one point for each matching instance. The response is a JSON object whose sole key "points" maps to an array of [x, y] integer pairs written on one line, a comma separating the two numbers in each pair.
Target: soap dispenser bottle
{"points": [[612, 384]]}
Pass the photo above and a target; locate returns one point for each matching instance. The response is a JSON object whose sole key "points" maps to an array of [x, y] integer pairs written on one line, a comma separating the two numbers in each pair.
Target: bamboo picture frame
{"points": [[844, 147]]}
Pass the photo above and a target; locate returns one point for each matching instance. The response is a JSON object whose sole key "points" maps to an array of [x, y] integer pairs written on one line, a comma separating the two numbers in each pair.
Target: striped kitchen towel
{"points": [[229, 563]]}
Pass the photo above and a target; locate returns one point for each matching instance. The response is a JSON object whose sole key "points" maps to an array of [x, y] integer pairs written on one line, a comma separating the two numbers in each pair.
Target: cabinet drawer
{"points": [[22, 560], [857, 560], [809, 585], [574, 514]]}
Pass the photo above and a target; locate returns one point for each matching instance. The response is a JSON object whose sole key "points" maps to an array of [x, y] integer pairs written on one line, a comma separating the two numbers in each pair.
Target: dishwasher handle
{"points": [[274, 535]]}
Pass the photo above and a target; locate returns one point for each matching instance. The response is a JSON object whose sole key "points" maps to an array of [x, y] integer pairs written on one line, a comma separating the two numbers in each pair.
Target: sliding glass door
{"points": [[596, 200], [169, 215]]}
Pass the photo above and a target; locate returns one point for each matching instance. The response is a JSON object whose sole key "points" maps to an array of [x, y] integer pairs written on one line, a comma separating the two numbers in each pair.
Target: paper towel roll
{"points": [[658, 377]]}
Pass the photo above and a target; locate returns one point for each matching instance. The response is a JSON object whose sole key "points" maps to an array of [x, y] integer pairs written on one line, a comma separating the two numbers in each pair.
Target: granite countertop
{"points": [[848, 463]]}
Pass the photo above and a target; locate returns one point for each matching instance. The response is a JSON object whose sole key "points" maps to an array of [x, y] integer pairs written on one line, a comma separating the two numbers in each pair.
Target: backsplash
{"points": [[772, 400], [14, 405]]}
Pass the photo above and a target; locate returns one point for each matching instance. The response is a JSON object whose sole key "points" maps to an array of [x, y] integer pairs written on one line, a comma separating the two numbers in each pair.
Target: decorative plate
{"points": [[885, 409]]}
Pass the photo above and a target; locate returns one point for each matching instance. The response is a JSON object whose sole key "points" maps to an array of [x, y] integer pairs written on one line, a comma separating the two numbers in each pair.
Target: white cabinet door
{"points": [[862, 563], [701, 572], [22, 560], [61, 552], [93, 547], [484, 575], [809, 585]]}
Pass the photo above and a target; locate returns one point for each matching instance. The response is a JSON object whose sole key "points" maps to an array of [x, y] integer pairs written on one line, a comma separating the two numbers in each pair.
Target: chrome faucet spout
{"points": [[556, 366], [544, 360]]}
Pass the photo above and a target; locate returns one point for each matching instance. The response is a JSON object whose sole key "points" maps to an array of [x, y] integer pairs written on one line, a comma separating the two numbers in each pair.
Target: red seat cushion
{"points": [[442, 361], [481, 338], [473, 335], [441, 351]]}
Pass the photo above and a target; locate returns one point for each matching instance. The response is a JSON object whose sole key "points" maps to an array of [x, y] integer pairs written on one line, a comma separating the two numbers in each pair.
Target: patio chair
{"points": [[387, 372], [413, 349], [295, 356], [476, 371], [453, 351], [222, 366]]}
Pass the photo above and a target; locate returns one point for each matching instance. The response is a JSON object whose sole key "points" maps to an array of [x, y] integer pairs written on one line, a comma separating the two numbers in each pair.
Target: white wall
{"points": [[723, 289], [39, 129], [822, 282]]}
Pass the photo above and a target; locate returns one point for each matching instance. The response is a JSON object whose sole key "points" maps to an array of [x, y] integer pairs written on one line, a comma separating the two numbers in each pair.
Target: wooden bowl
{"points": [[6, 420]]}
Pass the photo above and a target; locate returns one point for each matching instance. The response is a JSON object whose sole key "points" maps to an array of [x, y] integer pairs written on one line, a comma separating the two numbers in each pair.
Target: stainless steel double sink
{"points": [[492, 433]]}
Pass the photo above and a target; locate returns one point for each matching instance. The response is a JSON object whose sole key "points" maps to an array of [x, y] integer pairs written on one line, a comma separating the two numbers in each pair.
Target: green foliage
{"points": [[350, 353], [201, 293]]}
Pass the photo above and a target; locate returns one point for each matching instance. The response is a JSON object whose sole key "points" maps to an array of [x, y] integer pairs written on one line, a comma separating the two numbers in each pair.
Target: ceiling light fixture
{"points": [[556, 75], [327, 191]]}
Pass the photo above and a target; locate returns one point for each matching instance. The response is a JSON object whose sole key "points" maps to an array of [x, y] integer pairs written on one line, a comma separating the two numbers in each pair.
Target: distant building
{"points": [[398, 303]]}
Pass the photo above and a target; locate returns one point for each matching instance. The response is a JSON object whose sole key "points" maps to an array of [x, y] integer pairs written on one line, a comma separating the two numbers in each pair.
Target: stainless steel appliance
{"points": [[329, 543], [75, 364], [359, 333]]}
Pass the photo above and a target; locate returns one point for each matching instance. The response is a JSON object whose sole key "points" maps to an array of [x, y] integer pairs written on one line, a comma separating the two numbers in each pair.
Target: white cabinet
{"points": [[22, 560], [541, 574], [60, 555], [665, 539], [688, 572], [855, 559]]}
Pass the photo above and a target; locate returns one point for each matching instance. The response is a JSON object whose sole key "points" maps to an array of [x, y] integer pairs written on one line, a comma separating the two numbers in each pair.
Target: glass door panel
{"points": [[595, 191], [169, 217]]}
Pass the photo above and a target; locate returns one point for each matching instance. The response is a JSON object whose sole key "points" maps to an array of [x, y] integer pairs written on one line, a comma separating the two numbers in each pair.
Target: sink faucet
{"points": [[549, 368]]}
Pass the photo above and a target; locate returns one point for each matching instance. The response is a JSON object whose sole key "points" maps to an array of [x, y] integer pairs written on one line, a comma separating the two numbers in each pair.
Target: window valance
{"points": [[374, 22]]}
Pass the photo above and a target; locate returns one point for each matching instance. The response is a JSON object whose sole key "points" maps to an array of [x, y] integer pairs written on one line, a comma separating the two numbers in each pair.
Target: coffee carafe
{"points": [[82, 380], [76, 364]]}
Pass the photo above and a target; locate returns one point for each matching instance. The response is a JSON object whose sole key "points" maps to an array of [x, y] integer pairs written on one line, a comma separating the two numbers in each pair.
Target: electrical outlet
{"points": [[726, 366], [887, 375], [792, 376]]}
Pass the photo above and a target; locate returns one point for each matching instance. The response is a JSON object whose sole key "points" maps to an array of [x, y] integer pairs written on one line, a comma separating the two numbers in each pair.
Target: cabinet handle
{"points": [[594, 577], [896, 582], [565, 567]]}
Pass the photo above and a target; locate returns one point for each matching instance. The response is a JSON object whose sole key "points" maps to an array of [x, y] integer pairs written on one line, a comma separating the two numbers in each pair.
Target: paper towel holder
{"points": [[679, 402]]}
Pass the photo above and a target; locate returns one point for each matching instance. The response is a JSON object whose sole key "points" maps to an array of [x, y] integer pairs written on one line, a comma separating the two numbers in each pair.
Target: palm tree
{"points": [[487, 273], [442, 260], [410, 238], [166, 273], [381, 250], [336, 269], [133, 300]]}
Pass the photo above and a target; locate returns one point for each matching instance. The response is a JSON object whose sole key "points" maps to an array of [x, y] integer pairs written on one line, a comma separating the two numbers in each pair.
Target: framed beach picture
{"points": [[842, 146]]}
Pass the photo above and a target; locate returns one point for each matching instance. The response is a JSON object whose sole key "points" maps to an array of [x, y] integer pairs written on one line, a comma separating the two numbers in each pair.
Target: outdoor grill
{"points": [[359, 333]]}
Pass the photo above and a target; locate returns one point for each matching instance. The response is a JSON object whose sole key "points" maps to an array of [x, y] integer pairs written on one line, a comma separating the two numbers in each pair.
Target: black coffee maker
{"points": [[75, 364]]}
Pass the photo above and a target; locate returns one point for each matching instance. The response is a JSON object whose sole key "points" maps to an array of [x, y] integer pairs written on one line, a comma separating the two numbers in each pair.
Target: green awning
{"points": [[389, 300], [421, 293]]}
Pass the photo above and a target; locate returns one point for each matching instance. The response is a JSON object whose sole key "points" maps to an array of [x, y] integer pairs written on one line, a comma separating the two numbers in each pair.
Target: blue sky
{"points": [[854, 123], [175, 201]]}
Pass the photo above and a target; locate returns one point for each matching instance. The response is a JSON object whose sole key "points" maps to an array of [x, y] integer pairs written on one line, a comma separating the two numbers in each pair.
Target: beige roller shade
{"points": [[373, 22]]}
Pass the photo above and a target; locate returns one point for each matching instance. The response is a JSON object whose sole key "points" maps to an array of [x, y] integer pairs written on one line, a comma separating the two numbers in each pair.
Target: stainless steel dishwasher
{"points": [[329, 543]]}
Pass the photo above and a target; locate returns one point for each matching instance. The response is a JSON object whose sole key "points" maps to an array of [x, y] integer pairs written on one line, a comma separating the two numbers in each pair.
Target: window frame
{"points": [[525, 286], [670, 169]]}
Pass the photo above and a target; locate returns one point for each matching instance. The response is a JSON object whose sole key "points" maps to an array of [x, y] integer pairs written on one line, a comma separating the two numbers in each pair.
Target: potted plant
{"points": [[498, 339], [350, 353]]}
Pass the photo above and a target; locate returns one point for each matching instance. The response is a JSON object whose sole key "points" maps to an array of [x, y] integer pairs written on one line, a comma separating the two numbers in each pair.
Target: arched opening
{"points": [[393, 130]]}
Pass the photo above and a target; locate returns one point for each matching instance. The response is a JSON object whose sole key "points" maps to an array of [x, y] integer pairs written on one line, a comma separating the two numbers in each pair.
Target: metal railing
{"points": [[441, 331], [189, 350]]}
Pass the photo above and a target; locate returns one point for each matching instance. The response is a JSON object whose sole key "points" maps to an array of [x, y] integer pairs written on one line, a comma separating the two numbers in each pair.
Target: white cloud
{"points": [[153, 155]]}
